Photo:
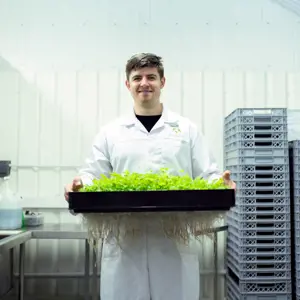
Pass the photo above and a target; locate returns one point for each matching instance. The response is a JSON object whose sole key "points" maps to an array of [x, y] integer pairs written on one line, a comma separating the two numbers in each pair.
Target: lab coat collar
{"points": [[168, 117]]}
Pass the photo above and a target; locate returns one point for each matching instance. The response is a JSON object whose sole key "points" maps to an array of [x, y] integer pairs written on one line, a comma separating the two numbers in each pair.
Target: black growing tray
{"points": [[150, 201]]}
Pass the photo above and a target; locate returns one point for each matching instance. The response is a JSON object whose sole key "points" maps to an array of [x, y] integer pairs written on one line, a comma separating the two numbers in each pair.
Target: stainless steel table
{"points": [[51, 231], [74, 231], [70, 231], [215, 246]]}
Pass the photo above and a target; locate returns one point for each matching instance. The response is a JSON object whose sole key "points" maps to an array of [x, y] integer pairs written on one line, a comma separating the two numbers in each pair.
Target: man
{"points": [[152, 267]]}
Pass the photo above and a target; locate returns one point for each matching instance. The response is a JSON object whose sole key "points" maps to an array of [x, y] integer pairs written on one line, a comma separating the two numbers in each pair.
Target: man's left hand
{"points": [[228, 181]]}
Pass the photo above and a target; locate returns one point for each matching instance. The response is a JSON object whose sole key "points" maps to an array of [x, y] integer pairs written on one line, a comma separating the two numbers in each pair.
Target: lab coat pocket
{"points": [[174, 146], [126, 152], [190, 272], [111, 250]]}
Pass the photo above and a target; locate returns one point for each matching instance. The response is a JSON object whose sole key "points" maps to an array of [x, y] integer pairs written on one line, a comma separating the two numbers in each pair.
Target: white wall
{"points": [[62, 77]]}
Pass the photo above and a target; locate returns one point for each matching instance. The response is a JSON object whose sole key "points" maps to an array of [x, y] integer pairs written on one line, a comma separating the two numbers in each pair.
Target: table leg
{"points": [[87, 270], [12, 277], [100, 265], [21, 271], [94, 278], [215, 266]]}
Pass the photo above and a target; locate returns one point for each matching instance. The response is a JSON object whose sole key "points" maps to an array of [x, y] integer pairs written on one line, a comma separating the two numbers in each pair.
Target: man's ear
{"points": [[127, 84], [163, 81]]}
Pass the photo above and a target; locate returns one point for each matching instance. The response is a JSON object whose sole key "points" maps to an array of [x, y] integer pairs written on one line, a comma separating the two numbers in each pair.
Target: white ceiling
{"points": [[291, 5]]}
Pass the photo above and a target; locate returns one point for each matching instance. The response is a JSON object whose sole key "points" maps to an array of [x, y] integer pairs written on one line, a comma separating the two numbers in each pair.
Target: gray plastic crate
{"points": [[296, 154], [297, 206], [239, 247], [297, 232], [264, 214], [275, 275], [232, 261], [297, 240], [268, 216], [231, 295], [251, 206], [253, 115], [235, 118], [262, 225], [238, 177], [295, 144], [265, 198], [259, 169], [297, 220], [297, 283], [263, 192], [233, 121], [259, 242], [256, 275], [285, 250], [262, 184], [254, 207], [253, 152], [249, 144], [230, 129], [234, 294], [296, 184], [274, 111], [231, 136], [261, 217], [297, 255], [268, 287], [257, 226], [297, 290], [280, 160], [258, 139], [272, 266], [249, 232], [296, 174], [253, 258], [279, 188], [239, 233], [256, 136], [296, 168]]}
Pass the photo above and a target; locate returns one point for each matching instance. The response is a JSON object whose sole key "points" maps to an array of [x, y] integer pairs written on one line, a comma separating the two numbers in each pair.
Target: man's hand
{"points": [[73, 187], [227, 180]]}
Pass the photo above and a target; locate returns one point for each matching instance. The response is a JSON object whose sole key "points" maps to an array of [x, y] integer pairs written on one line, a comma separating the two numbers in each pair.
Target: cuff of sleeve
{"points": [[86, 180]]}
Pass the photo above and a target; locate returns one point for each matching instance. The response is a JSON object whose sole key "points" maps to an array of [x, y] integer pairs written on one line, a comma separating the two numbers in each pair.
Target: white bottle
{"points": [[10, 207]]}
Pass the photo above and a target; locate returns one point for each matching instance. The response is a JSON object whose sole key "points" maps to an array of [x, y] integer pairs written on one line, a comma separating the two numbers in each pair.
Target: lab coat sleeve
{"points": [[204, 164], [98, 161]]}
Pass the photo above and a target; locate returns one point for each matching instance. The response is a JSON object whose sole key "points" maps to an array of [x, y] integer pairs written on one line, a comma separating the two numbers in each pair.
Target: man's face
{"points": [[145, 85]]}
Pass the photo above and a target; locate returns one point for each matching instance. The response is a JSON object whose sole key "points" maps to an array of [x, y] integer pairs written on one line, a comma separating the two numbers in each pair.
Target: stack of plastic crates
{"points": [[295, 199], [256, 151]]}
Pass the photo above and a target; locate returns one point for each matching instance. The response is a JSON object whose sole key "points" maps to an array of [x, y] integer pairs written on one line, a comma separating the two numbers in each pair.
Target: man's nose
{"points": [[144, 81]]}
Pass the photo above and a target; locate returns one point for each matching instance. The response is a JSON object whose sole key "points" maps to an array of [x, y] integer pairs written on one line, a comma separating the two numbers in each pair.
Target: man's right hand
{"points": [[73, 187]]}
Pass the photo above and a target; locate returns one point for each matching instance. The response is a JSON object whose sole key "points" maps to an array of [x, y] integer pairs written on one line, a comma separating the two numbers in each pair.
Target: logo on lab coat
{"points": [[175, 127]]}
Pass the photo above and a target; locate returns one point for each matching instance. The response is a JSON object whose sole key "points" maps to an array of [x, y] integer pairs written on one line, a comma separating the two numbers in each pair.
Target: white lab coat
{"points": [[153, 267]]}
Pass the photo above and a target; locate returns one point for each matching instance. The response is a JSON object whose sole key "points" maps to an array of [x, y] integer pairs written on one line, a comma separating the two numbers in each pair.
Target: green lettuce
{"points": [[161, 181]]}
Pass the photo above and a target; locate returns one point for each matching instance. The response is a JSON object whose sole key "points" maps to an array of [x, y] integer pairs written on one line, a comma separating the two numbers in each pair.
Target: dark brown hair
{"points": [[143, 60]]}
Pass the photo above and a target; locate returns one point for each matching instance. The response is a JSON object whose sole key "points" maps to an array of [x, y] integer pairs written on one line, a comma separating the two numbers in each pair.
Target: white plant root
{"points": [[179, 226]]}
